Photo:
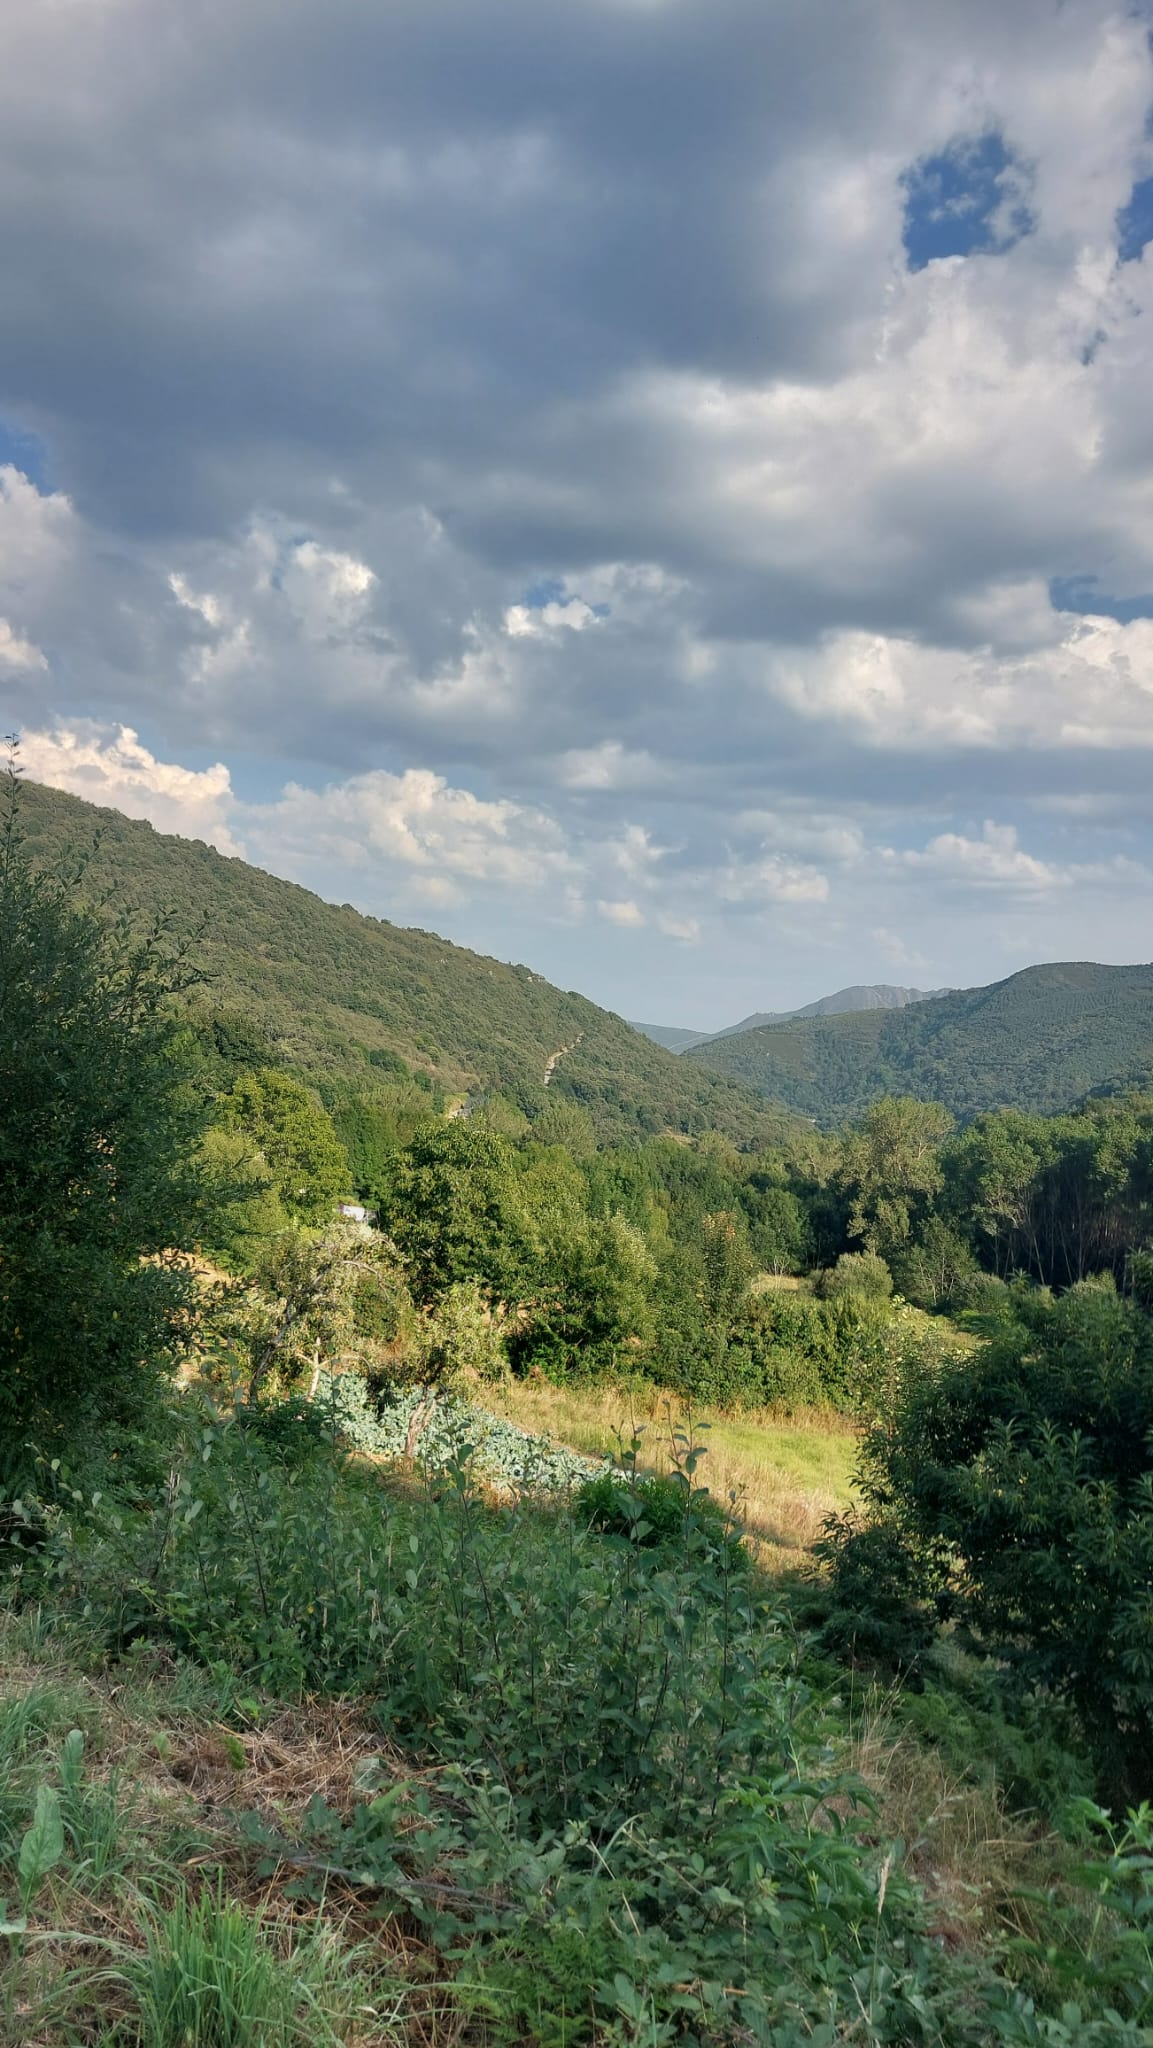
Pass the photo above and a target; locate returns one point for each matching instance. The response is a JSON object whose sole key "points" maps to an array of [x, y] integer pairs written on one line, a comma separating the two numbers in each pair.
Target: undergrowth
{"points": [[599, 1788]]}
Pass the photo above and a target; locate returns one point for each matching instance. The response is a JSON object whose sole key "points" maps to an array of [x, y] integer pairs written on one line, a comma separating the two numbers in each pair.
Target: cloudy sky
{"points": [[658, 489]]}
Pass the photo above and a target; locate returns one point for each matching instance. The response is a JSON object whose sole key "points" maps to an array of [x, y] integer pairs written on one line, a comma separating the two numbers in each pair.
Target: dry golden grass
{"points": [[976, 1860], [785, 1472]]}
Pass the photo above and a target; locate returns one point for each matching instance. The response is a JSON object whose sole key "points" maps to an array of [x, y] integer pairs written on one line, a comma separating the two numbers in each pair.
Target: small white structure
{"points": [[354, 1211]]}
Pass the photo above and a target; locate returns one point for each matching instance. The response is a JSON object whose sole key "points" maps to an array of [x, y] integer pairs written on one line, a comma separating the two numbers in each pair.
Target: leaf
{"points": [[72, 1761], [43, 1844]]}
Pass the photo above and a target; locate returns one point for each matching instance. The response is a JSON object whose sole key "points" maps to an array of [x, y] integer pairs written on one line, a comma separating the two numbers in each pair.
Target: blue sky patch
{"points": [[550, 590], [966, 201], [1081, 594], [1135, 221], [25, 452]]}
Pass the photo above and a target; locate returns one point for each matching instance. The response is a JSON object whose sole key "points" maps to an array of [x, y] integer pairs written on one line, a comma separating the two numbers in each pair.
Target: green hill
{"points": [[1037, 1041], [335, 994]]}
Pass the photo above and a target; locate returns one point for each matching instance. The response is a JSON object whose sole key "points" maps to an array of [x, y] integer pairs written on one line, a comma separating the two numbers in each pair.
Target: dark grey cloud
{"points": [[346, 329]]}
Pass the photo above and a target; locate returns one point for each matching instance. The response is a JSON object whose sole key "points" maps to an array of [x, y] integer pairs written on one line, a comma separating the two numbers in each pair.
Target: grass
{"points": [[154, 1927], [786, 1473]]}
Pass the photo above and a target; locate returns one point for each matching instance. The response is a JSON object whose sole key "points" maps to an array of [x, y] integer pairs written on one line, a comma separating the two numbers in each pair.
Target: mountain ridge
{"points": [[1039, 1040], [345, 997], [859, 996]]}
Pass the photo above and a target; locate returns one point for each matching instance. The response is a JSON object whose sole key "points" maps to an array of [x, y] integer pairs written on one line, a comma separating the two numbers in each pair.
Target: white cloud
{"points": [[18, 653], [1090, 685], [995, 860], [610, 766], [623, 912], [37, 530], [113, 768], [413, 821], [522, 621], [772, 880], [686, 929]]}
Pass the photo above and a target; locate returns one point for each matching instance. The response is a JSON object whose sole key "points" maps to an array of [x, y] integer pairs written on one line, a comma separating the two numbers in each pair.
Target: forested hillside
{"points": [[1038, 1041], [338, 996]]}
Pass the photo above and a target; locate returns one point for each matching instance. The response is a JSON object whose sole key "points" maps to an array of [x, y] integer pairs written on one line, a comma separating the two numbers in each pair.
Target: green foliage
{"points": [[857, 1273], [1038, 1042], [654, 1510], [334, 996], [637, 1763], [341, 1297], [1020, 1481], [881, 1609], [99, 1190], [291, 1130], [622, 1820], [453, 1208], [210, 1978], [891, 1170]]}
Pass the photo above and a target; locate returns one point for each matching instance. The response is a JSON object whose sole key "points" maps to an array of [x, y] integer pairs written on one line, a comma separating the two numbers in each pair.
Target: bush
{"points": [[880, 1607], [291, 1430], [1019, 1482], [856, 1273], [655, 1511]]}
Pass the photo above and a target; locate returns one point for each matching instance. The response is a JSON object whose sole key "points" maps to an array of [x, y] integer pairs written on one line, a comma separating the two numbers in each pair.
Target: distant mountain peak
{"points": [[1040, 1040], [861, 996]]}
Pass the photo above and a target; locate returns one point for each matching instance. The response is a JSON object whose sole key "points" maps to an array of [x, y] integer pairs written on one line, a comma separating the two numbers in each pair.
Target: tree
{"points": [[892, 1169], [290, 1127], [100, 1193], [454, 1208], [1021, 1481], [340, 1299]]}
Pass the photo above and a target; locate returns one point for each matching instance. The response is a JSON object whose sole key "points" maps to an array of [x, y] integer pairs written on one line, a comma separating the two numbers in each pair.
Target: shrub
{"points": [[856, 1273], [1019, 1481], [655, 1511]]}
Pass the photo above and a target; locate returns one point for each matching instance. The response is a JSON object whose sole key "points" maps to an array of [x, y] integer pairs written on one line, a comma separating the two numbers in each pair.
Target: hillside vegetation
{"points": [[1037, 1041], [339, 995], [337, 1707], [868, 996]]}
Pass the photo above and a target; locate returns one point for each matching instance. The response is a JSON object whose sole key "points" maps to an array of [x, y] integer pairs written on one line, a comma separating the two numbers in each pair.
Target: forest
{"points": [[315, 1724], [1039, 1041]]}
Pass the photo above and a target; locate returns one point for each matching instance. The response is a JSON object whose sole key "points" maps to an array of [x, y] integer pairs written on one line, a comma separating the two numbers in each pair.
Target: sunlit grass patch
{"points": [[786, 1473]]}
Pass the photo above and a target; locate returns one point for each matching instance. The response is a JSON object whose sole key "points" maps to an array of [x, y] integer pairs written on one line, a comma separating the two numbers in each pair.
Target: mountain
{"points": [[878, 996], [672, 1036], [335, 995], [863, 996], [1039, 1041]]}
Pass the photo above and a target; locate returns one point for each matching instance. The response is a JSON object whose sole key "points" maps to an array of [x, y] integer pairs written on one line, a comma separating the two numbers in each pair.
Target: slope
{"points": [[873, 996], [1036, 1041], [877, 996], [334, 993], [674, 1037]]}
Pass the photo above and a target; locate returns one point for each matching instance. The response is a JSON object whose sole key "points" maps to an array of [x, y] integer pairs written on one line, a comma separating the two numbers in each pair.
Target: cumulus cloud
{"points": [[622, 911], [114, 769], [379, 450]]}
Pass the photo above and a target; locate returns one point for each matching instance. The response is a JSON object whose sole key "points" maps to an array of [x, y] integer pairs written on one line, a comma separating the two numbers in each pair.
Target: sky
{"points": [[661, 490]]}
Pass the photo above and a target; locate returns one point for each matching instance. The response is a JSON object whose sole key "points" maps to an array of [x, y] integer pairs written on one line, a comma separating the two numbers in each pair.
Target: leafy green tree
{"points": [[290, 1127], [454, 1208], [100, 1194], [1021, 1481], [246, 1210], [589, 1309], [892, 1170], [338, 1300]]}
